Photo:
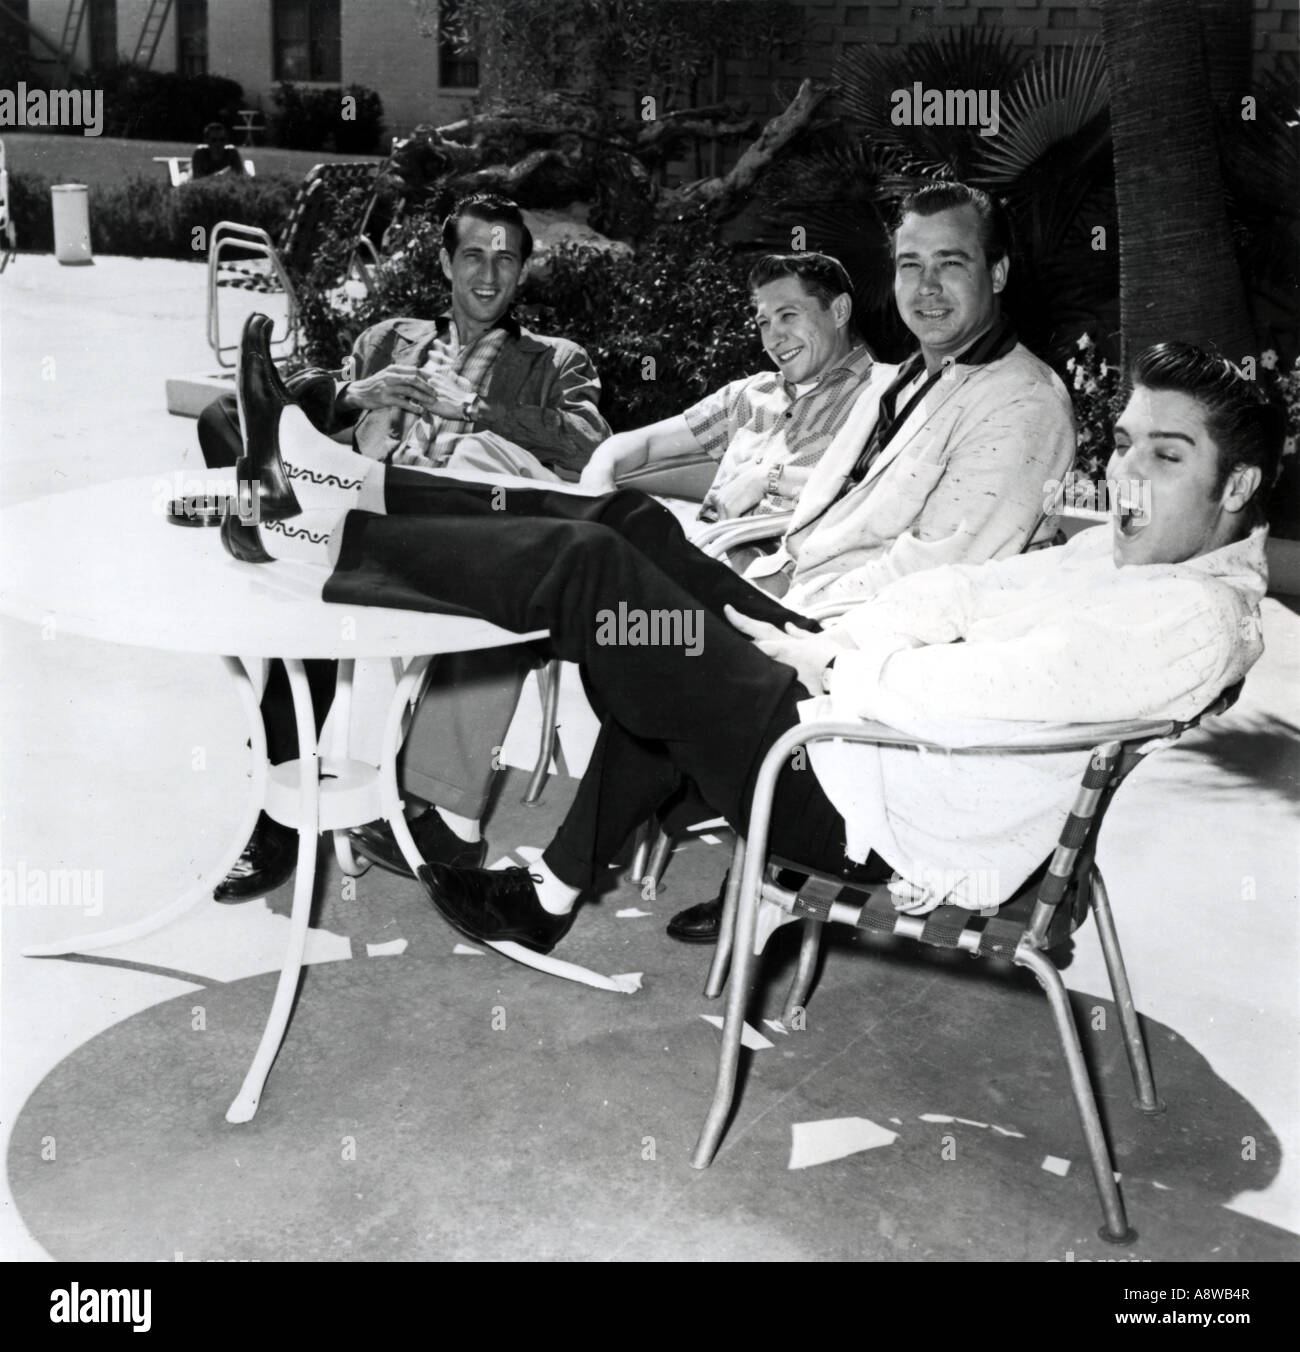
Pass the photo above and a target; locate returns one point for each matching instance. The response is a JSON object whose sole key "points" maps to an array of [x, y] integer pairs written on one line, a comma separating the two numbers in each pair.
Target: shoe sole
{"points": [[692, 938]]}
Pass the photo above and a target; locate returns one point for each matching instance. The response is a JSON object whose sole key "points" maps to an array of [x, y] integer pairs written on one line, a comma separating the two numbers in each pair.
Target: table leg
{"points": [[341, 716], [250, 698], [245, 1103]]}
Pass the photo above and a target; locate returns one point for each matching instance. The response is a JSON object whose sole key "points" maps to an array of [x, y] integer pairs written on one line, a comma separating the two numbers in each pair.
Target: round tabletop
{"points": [[105, 562]]}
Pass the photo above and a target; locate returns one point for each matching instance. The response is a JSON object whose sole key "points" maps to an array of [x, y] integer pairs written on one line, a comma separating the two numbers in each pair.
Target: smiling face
{"points": [[945, 290], [1166, 508], [484, 274], [803, 336]]}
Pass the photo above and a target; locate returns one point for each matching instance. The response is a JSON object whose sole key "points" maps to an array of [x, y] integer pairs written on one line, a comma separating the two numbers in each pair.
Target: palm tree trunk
{"points": [[1178, 274]]}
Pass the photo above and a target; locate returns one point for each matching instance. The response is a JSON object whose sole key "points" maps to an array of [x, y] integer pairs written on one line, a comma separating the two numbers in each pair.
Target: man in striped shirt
{"points": [[767, 431]]}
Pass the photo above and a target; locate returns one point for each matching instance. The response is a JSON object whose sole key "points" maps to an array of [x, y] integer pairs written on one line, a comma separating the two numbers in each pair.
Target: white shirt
{"points": [[1055, 636]]}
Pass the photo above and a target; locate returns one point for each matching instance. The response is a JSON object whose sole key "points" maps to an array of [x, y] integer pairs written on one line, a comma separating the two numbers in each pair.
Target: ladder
{"points": [[71, 34], [154, 23]]}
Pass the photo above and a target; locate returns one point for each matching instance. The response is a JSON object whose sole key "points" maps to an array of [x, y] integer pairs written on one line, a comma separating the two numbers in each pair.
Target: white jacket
{"points": [[964, 654], [964, 479]]}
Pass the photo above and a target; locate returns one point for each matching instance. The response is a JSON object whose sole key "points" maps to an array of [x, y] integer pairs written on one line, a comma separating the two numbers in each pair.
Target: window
{"points": [[308, 45], [102, 18], [455, 71], [192, 37]]}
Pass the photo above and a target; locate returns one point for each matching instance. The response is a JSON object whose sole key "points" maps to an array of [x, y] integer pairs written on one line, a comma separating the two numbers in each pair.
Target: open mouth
{"points": [[1131, 516], [933, 315], [487, 297], [786, 357]]}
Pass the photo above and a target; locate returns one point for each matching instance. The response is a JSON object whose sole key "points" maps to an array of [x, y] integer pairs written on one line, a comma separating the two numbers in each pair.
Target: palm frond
{"points": [[1052, 100], [960, 58]]}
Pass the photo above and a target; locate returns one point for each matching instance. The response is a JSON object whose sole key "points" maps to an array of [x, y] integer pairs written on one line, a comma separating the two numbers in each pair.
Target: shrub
{"points": [[313, 119], [162, 105], [264, 202], [31, 212], [146, 218], [664, 326]]}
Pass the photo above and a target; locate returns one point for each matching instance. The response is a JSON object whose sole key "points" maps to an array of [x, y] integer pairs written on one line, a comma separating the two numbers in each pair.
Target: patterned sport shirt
{"points": [[432, 439], [763, 420]]}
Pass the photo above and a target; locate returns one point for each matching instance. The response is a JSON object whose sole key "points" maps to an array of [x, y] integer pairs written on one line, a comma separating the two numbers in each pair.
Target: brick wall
{"points": [[832, 26]]}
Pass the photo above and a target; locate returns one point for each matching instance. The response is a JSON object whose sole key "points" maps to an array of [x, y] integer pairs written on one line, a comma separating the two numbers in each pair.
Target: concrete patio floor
{"points": [[101, 772]]}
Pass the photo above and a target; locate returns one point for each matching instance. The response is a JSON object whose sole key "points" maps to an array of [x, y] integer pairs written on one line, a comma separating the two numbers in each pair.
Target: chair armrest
{"points": [[744, 530], [1052, 736], [679, 476]]}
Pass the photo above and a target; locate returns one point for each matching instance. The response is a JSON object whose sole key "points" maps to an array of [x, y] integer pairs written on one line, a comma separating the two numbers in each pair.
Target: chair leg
{"points": [[810, 945], [742, 974], [1139, 1063], [1116, 1229], [727, 931], [548, 681], [663, 848], [641, 851]]}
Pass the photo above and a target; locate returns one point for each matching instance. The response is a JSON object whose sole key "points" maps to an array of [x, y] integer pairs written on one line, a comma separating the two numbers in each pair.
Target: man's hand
{"points": [[740, 494], [394, 387], [809, 654]]}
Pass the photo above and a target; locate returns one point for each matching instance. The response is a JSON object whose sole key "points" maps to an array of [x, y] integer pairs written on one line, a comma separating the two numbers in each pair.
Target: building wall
{"points": [[834, 26], [381, 48], [384, 50]]}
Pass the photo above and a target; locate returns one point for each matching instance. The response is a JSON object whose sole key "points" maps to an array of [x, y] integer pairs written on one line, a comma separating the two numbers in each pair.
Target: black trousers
{"points": [[700, 708]]}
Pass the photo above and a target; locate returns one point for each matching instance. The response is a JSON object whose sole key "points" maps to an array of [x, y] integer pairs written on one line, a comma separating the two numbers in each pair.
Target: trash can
{"points": [[71, 223]]}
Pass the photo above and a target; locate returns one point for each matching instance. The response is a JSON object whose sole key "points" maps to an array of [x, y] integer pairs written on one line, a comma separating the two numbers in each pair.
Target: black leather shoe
{"points": [[492, 905], [268, 860], [436, 841], [263, 487], [699, 924], [262, 396]]}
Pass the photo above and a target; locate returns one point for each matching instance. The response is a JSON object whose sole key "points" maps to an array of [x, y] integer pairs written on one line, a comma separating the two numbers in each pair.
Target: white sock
{"points": [[325, 474], [309, 537], [556, 897], [469, 829]]}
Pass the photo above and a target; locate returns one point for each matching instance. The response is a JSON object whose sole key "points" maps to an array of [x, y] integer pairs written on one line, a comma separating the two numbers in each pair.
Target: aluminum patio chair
{"points": [[1041, 916], [245, 257]]}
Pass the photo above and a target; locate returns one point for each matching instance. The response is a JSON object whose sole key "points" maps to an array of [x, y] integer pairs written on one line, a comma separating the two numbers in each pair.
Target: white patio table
{"points": [[104, 562]]}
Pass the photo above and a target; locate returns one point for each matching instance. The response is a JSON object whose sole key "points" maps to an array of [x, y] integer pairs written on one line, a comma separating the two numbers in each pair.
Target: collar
{"points": [[856, 362], [993, 344], [507, 322]]}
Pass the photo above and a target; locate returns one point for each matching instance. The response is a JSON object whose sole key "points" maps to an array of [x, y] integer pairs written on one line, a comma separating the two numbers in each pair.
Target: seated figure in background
{"points": [[215, 156]]}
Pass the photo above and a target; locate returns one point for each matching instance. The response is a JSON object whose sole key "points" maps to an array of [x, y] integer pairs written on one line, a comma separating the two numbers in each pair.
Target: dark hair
{"points": [[995, 224], [215, 129], [486, 206], [822, 276], [1246, 426]]}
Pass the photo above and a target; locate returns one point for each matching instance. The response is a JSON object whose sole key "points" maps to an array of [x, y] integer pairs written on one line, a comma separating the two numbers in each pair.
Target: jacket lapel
{"points": [[923, 414]]}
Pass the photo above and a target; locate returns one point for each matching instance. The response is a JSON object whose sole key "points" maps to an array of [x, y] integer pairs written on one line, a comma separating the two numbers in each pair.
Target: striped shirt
{"points": [[763, 421], [431, 440]]}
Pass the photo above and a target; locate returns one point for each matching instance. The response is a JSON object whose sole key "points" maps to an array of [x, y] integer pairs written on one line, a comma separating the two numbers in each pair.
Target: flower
{"points": [[1078, 379], [1288, 446], [1268, 359], [1084, 342]]}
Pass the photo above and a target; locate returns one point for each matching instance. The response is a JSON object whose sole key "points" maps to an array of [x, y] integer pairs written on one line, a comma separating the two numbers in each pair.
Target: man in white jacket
{"points": [[1153, 616]]}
